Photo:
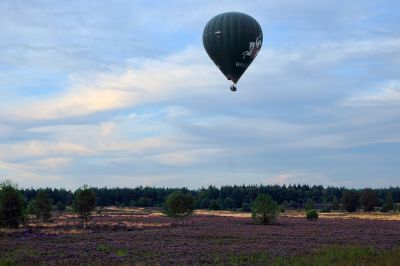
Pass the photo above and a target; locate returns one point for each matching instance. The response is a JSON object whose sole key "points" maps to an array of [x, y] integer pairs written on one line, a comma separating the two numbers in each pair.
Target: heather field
{"points": [[146, 237]]}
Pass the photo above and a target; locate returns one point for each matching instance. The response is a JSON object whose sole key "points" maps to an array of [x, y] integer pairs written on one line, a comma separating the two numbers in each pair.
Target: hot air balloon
{"points": [[232, 40]]}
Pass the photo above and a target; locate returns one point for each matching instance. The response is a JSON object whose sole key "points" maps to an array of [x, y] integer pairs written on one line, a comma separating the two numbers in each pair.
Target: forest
{"points": [[229, 197]]}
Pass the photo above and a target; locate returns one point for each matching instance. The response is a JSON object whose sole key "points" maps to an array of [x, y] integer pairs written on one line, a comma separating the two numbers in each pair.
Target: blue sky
{"points": [[122, 93]]}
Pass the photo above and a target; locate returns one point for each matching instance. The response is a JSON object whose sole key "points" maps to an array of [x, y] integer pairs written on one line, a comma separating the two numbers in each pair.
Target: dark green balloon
{"points": [[232, 40]]}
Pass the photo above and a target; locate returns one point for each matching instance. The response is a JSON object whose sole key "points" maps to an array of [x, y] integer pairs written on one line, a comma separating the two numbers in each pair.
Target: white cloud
{"points": [[152, 81], [386, 96]]}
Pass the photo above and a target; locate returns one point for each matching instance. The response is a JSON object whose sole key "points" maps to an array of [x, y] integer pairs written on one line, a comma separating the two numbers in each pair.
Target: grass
{"points": [[352, 256], [121, 252], [389, 216], [335, 256]]}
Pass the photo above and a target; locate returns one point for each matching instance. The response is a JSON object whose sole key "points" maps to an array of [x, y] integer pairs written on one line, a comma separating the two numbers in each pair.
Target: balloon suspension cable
{"points": [[233, 88]]}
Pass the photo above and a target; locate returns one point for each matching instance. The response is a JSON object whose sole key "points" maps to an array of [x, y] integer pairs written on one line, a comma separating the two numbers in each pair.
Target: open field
{"points": [[138, 236]]}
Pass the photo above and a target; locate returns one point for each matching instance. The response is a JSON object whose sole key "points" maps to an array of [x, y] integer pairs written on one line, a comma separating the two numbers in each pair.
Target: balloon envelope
{"points": [[232, 40]]}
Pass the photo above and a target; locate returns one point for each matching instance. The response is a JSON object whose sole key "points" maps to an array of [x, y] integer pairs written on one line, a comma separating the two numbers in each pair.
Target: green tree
{"points": [[84, 203], [30, 209], [61, 206], [42, 206], [312, 215], [142, 202], [179, 205], [264, 209], [335, 203], [369, 199], [310, 205], [228, 203], [11, 205], [389, 206], [351, 200], [214, 205]]}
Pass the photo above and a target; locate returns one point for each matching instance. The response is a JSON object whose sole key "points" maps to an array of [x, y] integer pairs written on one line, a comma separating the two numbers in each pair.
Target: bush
{"points": [[42, 206], [264, 209], [84, 203], [312, 215], [11, 205], [179, 205]]}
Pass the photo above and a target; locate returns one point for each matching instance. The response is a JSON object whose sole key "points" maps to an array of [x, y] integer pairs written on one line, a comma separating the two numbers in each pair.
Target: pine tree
{"points": [[84, 203], [42, 206]]}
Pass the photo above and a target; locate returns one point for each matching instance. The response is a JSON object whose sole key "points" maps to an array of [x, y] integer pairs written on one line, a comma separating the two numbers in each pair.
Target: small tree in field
{"points": [[11, 205], [264, 209], [84, 203], [179, 205], [369, 199], [389, 205], [42, 206], [350, 200], [312, 215]]}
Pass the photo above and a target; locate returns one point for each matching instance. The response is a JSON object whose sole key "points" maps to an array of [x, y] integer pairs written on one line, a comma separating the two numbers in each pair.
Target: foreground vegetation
{"points": [[335, 256], [146, 236]]}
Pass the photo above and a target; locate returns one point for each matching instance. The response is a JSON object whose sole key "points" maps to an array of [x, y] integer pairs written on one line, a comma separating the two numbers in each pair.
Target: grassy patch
{"points": [[335, 256], [102, 248], [15, 256], [242, 259], [344, 256], [121, 252]]}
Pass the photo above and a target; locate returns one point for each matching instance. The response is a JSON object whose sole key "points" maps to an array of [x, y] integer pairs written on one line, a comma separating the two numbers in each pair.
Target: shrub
{"points": [[84, 203], [11, 205], [42, 206], [312, 215], [264, 209], [179, 205]]}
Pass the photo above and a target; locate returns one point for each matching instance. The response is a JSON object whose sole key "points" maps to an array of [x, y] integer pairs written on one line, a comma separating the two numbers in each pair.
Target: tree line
{"points": [[231, 197], [16, 206]]}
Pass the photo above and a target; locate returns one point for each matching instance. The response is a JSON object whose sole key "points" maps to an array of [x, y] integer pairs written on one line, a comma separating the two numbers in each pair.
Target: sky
{"points": [[122, 93]]}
